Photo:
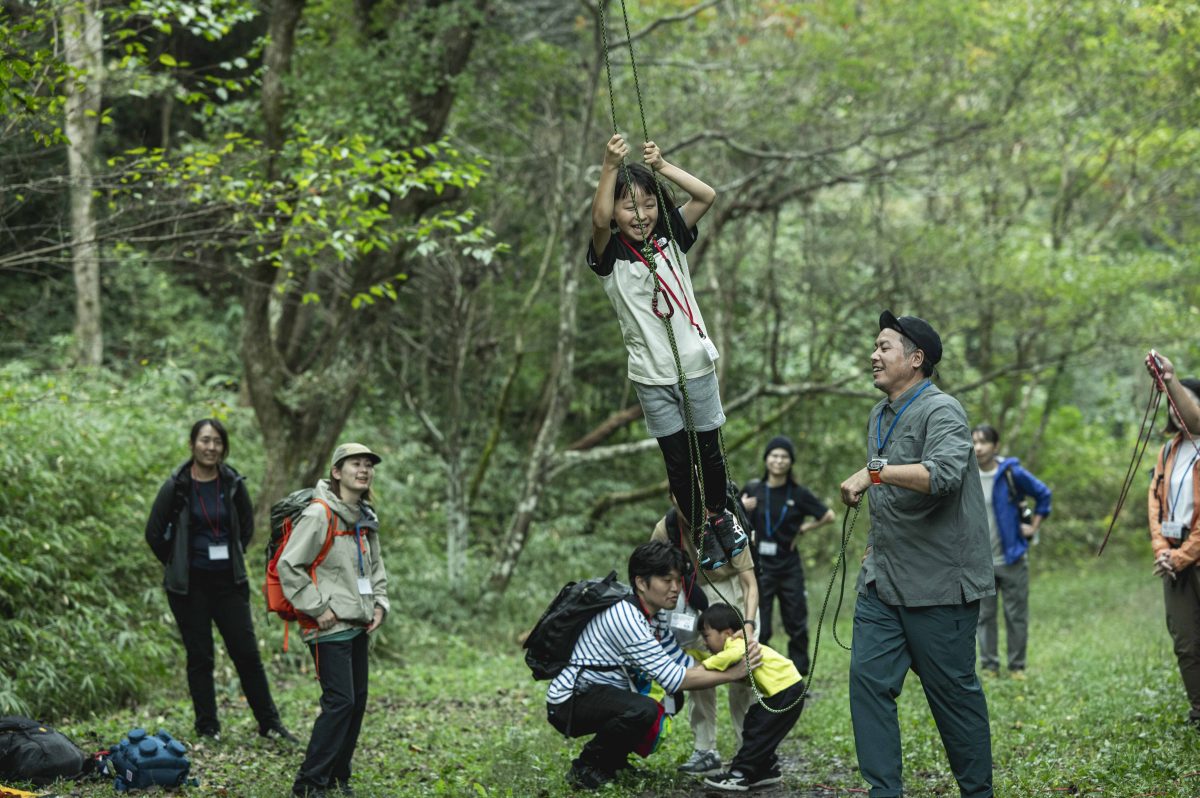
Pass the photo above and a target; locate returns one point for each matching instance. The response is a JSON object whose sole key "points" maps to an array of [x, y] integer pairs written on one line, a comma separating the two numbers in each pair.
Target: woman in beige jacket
{"points": [[345, 599]]}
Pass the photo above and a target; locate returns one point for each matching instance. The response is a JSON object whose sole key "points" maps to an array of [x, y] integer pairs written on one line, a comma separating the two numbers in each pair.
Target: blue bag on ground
{"points": [[141, 760]]}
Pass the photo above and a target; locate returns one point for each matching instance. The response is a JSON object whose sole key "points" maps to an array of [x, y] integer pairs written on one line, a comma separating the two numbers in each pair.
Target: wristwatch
{"points": [[874, 466]]}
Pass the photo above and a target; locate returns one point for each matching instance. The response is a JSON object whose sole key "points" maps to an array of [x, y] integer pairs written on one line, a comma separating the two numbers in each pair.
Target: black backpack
{"points": [[548, 647], [32, 751]]}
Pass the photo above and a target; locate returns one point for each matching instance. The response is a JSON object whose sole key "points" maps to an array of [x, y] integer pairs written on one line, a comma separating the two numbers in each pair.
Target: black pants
{"points": [[783, 578], [763, 731], [342, 667], [681, 472], [619, 718], [214, 598]]}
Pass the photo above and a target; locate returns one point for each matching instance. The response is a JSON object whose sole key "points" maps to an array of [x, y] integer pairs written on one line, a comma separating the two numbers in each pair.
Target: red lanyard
{"points": [[216, 527], [685, 304], [652, 624]]}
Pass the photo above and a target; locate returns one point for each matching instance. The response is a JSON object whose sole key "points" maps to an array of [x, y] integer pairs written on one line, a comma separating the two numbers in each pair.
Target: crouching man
{"points": [[601, 691]]}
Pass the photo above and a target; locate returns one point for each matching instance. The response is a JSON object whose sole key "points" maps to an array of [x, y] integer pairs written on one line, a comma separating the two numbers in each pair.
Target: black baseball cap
{"points": [[916, 330]]}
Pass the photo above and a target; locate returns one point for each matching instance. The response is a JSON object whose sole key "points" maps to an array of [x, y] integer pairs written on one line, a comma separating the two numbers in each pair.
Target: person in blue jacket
{"points": [[1006, 488]]}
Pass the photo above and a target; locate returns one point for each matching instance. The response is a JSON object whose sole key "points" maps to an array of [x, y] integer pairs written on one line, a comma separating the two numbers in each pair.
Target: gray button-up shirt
{"points": [[927, 549]]}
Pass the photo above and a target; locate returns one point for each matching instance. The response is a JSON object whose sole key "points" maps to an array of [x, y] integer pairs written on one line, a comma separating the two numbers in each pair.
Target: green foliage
{"points": [[85, 623], [333, 204], [31, 76]]}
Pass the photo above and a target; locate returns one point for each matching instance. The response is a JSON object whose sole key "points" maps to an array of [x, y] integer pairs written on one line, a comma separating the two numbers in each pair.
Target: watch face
{"points": [[876, 464]]}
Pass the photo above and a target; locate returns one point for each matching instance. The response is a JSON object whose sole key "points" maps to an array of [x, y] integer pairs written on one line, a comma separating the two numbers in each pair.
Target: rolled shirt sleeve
{"points": [[948, 449]]}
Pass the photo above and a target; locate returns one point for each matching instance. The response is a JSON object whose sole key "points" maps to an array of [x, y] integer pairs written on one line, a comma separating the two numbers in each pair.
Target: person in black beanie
{"points": [[781, 510]]}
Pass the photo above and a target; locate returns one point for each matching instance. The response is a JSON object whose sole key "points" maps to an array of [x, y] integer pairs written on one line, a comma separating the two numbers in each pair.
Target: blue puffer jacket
{"points": [[1008, 519]]}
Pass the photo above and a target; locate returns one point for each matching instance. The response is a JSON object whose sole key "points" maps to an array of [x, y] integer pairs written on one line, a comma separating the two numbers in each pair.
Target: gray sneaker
{"points": [[702, 763]]}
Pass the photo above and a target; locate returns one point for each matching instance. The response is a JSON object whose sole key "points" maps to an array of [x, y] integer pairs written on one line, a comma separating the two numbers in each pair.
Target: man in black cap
{"points": [[782, 511], [928, 564]]}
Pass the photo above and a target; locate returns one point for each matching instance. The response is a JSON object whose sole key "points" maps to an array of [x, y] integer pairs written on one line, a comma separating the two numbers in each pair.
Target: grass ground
{"points": [[1101, 713]]}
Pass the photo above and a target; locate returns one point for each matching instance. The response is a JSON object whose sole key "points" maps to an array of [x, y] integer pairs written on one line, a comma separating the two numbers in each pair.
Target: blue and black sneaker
{"points": [[712, 554], [728, 531]]}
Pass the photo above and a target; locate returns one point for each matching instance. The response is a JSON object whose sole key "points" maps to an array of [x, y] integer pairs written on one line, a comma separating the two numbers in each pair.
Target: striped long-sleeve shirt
{"points": [[622, 636]]}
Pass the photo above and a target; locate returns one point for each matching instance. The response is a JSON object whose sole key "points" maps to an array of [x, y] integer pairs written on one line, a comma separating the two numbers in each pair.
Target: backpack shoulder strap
{"points": [[1012, 483], [331, 518]]}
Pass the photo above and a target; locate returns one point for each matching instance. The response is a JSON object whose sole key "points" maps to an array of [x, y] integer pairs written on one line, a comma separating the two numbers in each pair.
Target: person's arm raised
{"points": [[602, 204], [1189, 410], [701, 195]]}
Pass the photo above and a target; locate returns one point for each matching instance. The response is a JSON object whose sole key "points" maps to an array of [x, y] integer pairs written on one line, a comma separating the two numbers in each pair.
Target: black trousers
{"points": [[763, 731], [785, 581], [681, 472], [619, 718], [214, 598], [342, 667]]}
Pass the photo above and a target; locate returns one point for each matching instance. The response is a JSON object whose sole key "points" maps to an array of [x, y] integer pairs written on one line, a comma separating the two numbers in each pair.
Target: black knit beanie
{"points": [[781, 442]]}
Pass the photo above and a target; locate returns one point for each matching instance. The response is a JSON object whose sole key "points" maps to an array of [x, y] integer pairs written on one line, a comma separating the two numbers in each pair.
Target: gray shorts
{"points": [[663, 405]]}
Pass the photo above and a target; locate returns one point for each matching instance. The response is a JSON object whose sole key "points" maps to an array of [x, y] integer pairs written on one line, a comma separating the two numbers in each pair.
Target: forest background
{"points": [[366, 219]]}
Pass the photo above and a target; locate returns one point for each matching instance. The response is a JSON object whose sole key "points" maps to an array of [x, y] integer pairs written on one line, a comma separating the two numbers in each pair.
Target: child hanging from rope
{"points": [[629, 234]]}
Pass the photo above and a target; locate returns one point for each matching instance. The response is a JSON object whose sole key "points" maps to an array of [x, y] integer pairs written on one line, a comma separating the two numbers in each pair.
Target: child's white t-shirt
{"points": [[629, 285]]}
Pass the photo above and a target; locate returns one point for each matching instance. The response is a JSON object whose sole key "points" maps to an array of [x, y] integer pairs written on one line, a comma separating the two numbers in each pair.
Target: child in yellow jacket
{"points": [[779, 682]]}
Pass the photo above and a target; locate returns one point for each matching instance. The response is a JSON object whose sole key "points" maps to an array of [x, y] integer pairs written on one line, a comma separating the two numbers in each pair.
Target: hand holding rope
{"points": [[1162, 372]]}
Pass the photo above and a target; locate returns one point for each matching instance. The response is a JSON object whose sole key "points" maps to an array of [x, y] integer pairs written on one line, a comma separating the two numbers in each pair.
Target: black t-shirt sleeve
{"points": [[809, 505], [603, 265]]}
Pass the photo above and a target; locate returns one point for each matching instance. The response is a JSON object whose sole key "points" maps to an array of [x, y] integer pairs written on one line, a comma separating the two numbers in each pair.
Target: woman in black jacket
{"points": [[199, 527]]}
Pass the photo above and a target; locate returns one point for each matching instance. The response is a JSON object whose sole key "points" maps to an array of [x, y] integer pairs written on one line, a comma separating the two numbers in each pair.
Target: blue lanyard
{"points": [[358, 545], [1182, 482], [879, 445], [783, 514]]}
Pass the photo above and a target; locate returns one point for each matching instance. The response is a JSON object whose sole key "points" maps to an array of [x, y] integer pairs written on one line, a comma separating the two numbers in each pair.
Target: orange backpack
{"points": [[284, 515]]}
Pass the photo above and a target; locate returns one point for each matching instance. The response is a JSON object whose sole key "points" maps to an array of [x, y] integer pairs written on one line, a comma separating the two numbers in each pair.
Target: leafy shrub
{"points": [[83, 620]]}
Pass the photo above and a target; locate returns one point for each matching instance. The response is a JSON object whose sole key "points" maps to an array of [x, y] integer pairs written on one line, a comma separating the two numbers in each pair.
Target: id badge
{"points": [[683, 622], [768, 548], [218, 551], [1172, 530], [364, 586], [710, 348]]}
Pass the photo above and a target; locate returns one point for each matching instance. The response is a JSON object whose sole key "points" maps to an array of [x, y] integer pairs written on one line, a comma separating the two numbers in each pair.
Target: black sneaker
{"points": [[729, 533], [209, 734], [712, 556], [586, 777], [730, 780], [308, 791], [279, 734]]}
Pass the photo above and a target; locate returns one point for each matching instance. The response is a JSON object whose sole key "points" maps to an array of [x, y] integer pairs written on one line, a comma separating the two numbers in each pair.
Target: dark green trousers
{"points": [[938, 644]]}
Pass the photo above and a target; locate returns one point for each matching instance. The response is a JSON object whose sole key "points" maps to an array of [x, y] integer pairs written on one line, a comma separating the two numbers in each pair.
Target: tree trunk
{"points": [[304, 363], [542, 455], [281, 28], [457, 518], [82, 47]]}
